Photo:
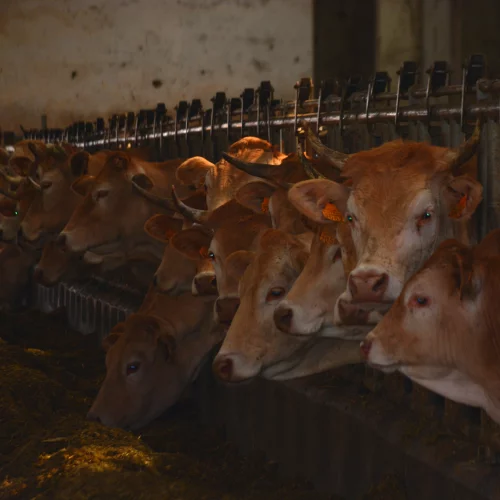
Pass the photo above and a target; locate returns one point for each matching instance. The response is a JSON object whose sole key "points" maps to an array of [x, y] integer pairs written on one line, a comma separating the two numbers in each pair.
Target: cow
{"points": [[399, 201], [152, 357], [445, 319], [116, 204], [219, 233], [253, 344]]}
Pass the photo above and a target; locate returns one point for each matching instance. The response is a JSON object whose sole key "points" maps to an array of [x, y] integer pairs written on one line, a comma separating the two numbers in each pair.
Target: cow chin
{"points": [[378, 358]]}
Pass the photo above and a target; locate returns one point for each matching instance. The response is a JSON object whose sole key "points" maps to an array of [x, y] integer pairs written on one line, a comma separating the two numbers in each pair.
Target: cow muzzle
{"points": [[205, 284], [234, 368], [368, 285]]}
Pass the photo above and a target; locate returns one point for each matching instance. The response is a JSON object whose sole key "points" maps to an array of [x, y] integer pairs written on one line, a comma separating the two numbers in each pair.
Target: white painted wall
{"points": [[79, 59]]}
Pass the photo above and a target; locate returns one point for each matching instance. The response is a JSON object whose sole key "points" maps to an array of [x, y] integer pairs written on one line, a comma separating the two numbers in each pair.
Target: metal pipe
{"points": [[409, 114]]}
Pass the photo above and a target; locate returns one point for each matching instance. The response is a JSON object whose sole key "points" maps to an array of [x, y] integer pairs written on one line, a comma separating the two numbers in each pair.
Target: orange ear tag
{"points": [[204, 252], [327, 238], [457, 211], [331, 212], [265, 206]]}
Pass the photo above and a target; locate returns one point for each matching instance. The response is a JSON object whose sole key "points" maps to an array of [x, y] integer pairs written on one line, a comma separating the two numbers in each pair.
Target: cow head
{"points": [[113, 209], [15, 265], [52, 174], [401, 199], [165, 341], [222, 180], [253, 344], [443, 317]]}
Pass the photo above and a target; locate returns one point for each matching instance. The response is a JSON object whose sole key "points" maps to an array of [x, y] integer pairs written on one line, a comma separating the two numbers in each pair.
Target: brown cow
{"points": [[400, 201], [229, 228], [445, 318], [152, 357], [222, 180], [116, 206]]}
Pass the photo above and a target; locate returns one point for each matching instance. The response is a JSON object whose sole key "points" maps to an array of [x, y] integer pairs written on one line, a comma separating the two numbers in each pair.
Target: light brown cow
{"points": [[116, 206], [222, 180], [253, 344], [446, 318], [400, 200], [229, 228], [152, 358]]}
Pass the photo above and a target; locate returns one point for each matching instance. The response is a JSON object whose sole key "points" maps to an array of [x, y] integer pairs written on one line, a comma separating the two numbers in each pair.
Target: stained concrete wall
{"points": [[78, 59]]}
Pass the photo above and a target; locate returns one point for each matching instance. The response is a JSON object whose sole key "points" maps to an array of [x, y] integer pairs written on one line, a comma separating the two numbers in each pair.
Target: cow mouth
{"points": [[104, 248], [390, 368]]}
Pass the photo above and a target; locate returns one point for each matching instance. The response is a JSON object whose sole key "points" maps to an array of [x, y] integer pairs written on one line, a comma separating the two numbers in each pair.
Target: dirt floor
{"points": [[49, 377]]}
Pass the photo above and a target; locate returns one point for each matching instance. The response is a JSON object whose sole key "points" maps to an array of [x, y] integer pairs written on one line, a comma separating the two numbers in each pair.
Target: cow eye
{"points": [[424, 218], [46, 184], [211, 255], [349, 218], [102, 193], [16, 213], [275, 293], [133, 368], [419, 301]]}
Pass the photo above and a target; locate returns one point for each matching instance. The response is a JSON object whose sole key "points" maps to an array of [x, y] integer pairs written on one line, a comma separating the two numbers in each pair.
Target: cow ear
{"points": [[79, 163], [38, 149], [462, 196], [143, 181], [255, 196], [82, 184], [320, 200], [192, 242], [162, 227], [193, 171], [236, 264], [22, 163], [168, 344]]}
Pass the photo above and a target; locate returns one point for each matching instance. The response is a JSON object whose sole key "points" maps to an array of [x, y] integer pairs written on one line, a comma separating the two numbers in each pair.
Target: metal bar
{"points": [[410, 114]]}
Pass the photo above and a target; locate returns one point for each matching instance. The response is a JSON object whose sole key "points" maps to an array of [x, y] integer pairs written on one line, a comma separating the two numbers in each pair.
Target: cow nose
{"points": [[226, 309], [93, 417], [368, 286], [283, 318], [61, 240], [223, 368], [205, 284], [365, 347]]}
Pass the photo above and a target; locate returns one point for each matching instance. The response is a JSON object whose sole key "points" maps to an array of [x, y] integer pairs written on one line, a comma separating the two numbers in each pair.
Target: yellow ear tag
{"points": [[457, 211], [331, 212], [265, 206], [204, 252], [327, 238]]}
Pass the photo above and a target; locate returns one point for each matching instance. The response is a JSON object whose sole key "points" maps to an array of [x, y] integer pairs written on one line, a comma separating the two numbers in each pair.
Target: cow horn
{"points": [[310, 171], [10, 176], [192, 214], [456, 158], [31, 174], [154, 198], [262, 170], [336, 158]]}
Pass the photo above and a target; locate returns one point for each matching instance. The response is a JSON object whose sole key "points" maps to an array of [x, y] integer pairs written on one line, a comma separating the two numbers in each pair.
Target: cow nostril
{"points": [[223, 368], [365, 347], [283, 319], [214, 282], [93, 417], [380, 283]]}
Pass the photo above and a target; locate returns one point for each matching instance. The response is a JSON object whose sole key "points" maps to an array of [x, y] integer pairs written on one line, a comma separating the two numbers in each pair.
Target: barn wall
{"points": [[78, 59]]}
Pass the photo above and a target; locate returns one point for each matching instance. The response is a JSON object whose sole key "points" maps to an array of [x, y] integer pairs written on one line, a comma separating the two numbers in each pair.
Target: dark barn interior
{"points": [[248, 249]]}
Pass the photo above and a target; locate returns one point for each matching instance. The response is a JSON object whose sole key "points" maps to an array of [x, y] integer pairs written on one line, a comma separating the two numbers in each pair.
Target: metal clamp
{"points": [[159, 115], [328, 88], [264, 94], [381, 82], [353, 85], [218, 103], [195, 109], [472, 71], [407, 77], [303, 91], [438, 77], [247, 99], [233, 104]]}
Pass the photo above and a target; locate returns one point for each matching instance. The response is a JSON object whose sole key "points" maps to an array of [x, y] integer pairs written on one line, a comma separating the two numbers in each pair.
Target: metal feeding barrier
{"points": [[349, 116]]}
